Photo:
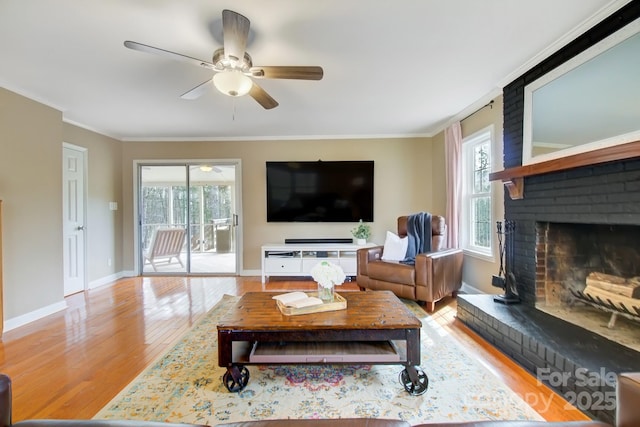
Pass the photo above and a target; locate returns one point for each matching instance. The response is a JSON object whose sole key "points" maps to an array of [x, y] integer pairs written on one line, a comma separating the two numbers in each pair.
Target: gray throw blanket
{"points": [[419, 236]]}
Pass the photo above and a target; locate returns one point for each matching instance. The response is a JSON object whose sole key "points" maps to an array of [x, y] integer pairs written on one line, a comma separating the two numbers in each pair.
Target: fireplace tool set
{"points": [[505, 278]]}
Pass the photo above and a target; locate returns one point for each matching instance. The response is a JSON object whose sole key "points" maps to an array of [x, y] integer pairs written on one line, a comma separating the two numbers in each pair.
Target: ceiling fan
{"points": [[232, 65]]}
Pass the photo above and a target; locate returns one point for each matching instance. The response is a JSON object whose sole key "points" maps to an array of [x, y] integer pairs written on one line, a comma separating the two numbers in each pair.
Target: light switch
{"points": [[113, 206]]}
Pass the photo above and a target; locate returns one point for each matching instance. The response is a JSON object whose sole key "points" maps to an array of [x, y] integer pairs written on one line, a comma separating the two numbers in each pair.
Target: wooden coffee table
{"points": [[376, 328]]}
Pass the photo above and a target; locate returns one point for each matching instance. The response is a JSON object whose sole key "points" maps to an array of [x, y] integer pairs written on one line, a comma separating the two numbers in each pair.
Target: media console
{"points": [[292, 259]]}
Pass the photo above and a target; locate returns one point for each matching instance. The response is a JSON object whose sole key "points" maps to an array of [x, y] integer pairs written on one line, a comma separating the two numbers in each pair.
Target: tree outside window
{"points": [[166, 206], [477, 222]]}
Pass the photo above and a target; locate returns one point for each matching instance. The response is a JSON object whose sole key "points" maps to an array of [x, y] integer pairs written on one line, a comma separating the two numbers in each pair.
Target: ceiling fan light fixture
{"points": [[232, 83]]}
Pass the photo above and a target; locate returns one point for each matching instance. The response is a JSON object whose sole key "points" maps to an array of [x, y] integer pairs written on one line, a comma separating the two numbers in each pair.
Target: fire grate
{"points": [[617, 308]]}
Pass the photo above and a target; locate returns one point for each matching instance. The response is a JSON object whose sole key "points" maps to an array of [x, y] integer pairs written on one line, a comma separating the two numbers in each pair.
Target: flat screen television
{"points": [[320, 191]]}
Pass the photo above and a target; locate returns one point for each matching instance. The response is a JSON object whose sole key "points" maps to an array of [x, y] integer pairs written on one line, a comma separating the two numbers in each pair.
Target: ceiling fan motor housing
{"points": [[223, 62]]}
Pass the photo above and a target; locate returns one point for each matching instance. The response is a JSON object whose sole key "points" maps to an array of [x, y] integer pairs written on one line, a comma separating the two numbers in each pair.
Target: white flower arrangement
{"points": [[328, 274]]}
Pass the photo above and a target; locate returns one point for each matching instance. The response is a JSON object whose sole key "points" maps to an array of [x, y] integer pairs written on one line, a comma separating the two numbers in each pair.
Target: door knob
{"points": [[80, 228]]}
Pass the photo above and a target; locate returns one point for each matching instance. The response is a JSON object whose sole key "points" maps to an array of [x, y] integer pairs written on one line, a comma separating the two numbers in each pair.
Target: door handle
{"points": [[80, 228], [235, 220]]}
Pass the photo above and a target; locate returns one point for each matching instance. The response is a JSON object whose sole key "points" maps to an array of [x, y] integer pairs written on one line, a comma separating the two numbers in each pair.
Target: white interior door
{"points": [[73, 210]]}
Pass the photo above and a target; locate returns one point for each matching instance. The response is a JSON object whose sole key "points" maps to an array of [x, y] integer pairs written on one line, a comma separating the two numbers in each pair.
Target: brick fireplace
{"points": [[592, 213], [538, 333]]}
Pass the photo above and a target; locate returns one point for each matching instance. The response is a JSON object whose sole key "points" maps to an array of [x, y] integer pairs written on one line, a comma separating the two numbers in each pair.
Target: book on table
{"points": [[297, 299]]}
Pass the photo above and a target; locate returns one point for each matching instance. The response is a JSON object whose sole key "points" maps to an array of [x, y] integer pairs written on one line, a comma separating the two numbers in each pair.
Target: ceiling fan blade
{"points": [[286, 72], [168, 54], [235, 28], [197, 91], [262, 97]]}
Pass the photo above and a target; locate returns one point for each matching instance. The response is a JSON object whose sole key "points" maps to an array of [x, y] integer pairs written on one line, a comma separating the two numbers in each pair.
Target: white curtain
{"points": [[453, 147]]}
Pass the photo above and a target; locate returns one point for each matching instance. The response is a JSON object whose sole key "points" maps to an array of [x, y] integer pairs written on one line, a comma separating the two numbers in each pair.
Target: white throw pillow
{"points": [[395, 248]]}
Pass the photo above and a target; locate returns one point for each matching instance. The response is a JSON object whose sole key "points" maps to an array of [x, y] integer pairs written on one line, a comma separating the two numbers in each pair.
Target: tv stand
{"points": [[298, 259]]}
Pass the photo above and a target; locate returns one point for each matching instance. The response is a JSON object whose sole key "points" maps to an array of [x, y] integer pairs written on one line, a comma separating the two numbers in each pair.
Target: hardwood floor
{"points": [[72, 363]]}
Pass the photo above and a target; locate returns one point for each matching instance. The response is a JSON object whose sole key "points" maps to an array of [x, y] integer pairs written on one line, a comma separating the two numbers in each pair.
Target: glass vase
{"points": [[325, 293]]}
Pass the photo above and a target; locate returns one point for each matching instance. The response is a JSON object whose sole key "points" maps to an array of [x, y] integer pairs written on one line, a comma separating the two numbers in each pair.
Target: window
{"points": [[476, 192]]}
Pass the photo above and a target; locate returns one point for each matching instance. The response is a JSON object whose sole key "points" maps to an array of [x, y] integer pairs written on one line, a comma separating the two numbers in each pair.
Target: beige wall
{"points": [[104, 227], [30, 187], [438, 175], [409, 177], [405, 173], [31, 140], [477, 272]]}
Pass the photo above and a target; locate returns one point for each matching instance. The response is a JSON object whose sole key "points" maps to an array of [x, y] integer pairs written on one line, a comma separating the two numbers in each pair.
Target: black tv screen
{"points": [[322, 191]]}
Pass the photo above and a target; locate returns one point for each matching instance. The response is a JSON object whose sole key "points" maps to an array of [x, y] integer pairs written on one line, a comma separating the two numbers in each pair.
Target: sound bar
{"points": [[318, 240]]}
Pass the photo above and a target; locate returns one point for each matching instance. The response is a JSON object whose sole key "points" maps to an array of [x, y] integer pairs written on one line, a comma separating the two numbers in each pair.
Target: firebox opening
{"points": [[589, 275]]}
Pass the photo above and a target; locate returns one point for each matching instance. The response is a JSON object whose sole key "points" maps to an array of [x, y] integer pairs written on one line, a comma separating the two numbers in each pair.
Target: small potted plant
{"points": [[361, 232]]}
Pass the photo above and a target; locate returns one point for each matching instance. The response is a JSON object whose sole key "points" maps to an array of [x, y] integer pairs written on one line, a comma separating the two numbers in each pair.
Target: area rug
{"points": [[185, 385]]}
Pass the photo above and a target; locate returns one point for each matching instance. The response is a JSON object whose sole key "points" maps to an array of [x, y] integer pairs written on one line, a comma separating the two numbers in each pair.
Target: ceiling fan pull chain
{"points": [[233, 109]]}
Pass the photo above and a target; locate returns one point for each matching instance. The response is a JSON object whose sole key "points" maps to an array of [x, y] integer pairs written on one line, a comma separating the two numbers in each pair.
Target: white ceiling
{"points": [[391, 68]]}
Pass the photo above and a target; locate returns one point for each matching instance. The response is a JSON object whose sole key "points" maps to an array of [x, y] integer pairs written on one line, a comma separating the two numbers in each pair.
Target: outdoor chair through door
{"points": [[166, 244]]}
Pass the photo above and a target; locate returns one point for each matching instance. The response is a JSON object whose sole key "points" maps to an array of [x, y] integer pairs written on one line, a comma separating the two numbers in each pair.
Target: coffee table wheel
{"points": [[236, 378], [414, 381]]}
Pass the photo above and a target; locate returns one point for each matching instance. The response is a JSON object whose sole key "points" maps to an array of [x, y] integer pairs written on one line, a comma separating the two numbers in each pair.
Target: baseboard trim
{"points": [[105, 280], [468, 289], [34, 315], [251, 273]]}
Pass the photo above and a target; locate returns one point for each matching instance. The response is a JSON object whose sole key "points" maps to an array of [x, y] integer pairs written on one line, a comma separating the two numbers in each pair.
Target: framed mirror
{"points": [[591, 101]]}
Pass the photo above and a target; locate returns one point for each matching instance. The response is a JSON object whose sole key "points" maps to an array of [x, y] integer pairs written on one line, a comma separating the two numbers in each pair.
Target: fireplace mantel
{"points": [[513, 178]]}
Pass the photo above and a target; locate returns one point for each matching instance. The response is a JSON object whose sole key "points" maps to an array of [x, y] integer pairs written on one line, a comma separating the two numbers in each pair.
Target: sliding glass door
{"points": [[187, 218]]}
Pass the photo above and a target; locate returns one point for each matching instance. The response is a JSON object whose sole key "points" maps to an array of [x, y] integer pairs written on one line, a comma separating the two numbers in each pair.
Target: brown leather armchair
{"points": [[435, 274]]}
